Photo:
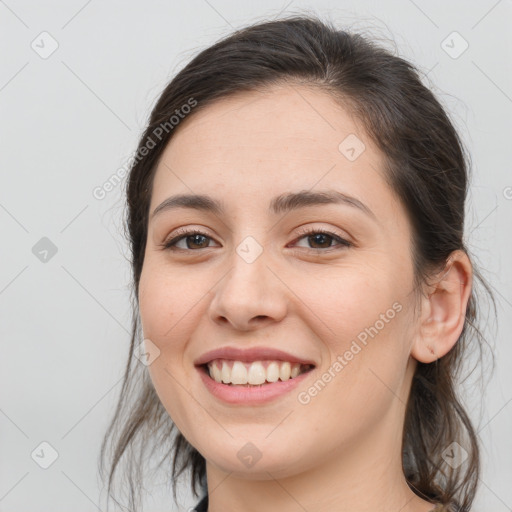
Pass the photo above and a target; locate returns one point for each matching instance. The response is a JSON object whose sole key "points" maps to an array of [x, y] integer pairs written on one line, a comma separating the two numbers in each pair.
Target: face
{"points": [[328, 283]]}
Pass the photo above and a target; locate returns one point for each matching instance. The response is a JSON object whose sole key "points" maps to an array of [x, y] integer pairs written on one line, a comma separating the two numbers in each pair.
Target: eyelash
{"points": [[170, 244]]}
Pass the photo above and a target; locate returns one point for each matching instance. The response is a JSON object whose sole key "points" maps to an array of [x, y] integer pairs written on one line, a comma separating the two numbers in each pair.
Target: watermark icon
{"points": [[454, 455], [146, 352], [507, 193], [44, 45], [249, 454], [44, 455], [351, 147], [100, 192], [454, 45], [44, 250], [304, 397], [249, 249]]}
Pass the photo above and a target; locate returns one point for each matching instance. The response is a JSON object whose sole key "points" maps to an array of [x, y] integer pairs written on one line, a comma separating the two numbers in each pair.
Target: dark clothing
{"points": [[202, 506]]}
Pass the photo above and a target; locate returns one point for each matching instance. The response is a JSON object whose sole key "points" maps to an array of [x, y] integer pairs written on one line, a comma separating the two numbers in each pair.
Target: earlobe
{"points": [[443, 310]]}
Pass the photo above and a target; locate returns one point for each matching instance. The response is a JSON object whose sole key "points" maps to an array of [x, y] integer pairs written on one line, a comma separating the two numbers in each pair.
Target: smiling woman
{"points": [[301, 283]]}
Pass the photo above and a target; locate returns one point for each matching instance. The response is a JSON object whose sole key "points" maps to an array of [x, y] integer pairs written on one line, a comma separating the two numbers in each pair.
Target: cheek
{"points": [[362, 317], [355, 302], [167, 302], [168, 305]]}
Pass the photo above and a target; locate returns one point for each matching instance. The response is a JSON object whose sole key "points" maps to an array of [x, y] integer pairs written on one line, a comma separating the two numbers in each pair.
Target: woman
{"points": [[296, 214]]}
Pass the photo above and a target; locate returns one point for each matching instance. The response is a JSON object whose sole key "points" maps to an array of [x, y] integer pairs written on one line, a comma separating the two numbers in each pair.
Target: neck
{"points": [[351, 479]]}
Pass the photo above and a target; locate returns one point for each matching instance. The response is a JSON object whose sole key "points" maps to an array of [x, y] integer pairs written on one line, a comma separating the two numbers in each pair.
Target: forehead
{"points": [[258, 144], [286, 121]]}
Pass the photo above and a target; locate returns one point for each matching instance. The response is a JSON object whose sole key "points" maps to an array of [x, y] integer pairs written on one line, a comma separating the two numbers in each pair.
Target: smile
{"points": [[252, 383], [254, 373]]}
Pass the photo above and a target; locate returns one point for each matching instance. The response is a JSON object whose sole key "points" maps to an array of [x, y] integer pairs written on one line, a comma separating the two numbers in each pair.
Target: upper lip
{"points": [[250, 355]]}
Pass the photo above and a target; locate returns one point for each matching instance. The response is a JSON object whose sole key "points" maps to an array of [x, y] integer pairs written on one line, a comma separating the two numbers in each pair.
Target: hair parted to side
{"points": [[426, 166]]}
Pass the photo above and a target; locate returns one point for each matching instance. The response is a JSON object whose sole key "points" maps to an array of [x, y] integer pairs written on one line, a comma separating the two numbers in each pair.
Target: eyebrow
{"points": [[280, 204]]}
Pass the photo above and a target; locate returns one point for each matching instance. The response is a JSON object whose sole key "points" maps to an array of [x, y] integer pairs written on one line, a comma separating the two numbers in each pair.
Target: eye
{"points": [[197, 239], [323, 238], [196, 236]]}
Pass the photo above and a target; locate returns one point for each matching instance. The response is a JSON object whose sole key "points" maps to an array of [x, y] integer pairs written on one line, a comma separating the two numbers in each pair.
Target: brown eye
{"points": [[322, 238], [196, 240], [193, 240]]}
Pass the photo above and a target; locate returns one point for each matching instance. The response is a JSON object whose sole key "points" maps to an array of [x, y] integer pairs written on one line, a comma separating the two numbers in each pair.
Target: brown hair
{"points": [[426, 166]]}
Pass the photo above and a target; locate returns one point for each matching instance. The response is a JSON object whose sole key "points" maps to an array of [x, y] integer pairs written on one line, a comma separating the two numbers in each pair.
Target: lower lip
{"points": [[250, 395]]}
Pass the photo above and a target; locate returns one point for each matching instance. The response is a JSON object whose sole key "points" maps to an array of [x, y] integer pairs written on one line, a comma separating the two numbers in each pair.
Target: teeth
{"points": [[226, 374], [273, 372], [255, 373], [215, 373], [238, 373], [285, 371]]}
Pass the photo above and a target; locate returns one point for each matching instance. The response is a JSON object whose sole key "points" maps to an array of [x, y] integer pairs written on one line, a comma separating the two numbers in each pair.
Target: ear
{"points": [[443, 309]]}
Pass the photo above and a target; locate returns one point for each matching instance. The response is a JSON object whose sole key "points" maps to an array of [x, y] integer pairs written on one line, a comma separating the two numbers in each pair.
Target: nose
{"points": [[249, 296]]}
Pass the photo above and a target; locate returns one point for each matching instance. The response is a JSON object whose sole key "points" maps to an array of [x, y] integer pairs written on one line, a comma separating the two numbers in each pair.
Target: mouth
{"points": [[253, 374]]}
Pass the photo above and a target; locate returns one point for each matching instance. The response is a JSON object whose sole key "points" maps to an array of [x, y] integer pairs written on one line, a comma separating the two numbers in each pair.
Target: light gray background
{"points": [[71, 120]]}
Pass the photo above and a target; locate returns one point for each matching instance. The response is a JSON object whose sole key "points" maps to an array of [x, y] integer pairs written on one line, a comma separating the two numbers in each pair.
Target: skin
{"points": [[342, 450]]}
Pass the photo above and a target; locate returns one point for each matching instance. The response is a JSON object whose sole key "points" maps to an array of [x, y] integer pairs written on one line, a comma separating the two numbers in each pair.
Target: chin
{"points": [[252, 459]]}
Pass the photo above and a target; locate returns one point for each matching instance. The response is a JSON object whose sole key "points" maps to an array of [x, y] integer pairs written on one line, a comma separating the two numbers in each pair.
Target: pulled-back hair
{"points": [[425, 164]]}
